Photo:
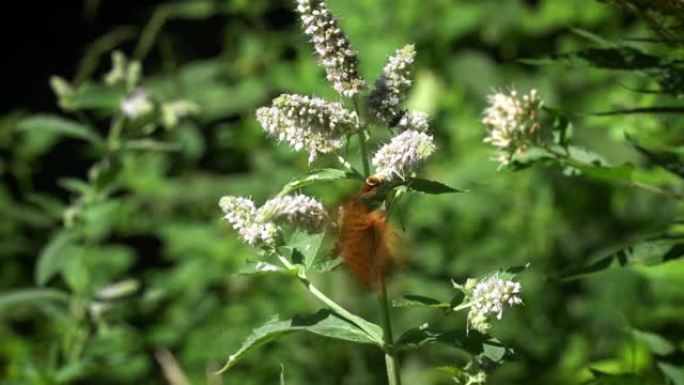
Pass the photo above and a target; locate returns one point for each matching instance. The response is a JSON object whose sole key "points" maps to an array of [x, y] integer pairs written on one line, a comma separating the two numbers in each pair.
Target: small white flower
{"points": [[391, 88], [490, 297], [414, 120], [307, 123], [241, 214], [300, 210], [261, 226], [137, 104], [332, 46], [403, 154], [512, 123]]}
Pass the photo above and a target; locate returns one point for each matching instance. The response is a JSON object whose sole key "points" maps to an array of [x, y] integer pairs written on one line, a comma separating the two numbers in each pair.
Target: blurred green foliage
{"points": [[162, 229]]}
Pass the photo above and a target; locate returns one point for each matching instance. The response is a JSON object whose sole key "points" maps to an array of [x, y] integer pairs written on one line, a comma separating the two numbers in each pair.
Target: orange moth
{"points": [[366, 240]]}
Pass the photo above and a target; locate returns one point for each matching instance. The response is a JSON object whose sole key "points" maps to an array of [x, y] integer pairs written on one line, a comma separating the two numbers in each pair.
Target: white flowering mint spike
{"points": [[137, 104], [300, 210], [307, 123], [490, 297], [385, 101], [512, 122], [403, 154], [241, 213], [414, 120], [332, 46]]}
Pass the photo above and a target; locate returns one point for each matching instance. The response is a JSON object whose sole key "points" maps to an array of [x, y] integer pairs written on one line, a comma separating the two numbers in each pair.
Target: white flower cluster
{"points": [[512, 122], [302, 210], [391, 88], [414, 120], [332, 46], [403, 154], [260, 226], [308, 123], [491, 296], [241, 213]]}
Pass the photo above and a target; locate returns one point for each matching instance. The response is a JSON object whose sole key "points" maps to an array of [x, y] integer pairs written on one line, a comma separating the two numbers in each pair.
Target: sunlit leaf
{"points": [[314, 177], [324, 323]]}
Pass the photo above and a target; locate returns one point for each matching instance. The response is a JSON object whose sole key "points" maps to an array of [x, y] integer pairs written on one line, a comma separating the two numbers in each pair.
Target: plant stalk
{"points": [[391, 360]]}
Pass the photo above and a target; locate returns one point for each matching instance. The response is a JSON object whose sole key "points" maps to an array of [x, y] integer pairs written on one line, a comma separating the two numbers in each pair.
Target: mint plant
{"points": [[287, 230]]}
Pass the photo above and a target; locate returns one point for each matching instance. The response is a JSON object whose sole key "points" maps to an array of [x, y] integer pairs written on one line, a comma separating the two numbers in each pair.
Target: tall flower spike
{"points": [[391, 88], [332, 46], [403, 154], [512, 123], [300, 210], [307, 123], [242, 215]]}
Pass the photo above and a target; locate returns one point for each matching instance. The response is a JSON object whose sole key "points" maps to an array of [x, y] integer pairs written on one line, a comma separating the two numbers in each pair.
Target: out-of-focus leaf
{"points": [[601, 378], [674, 373], [667, 160], [11, 299], [324, 323], [93, 96], [656, 344], [59, 126], [646, 253], [313, 177], [326, 265], [53, 257], [430, 187], [616, 58], [419, 301]]}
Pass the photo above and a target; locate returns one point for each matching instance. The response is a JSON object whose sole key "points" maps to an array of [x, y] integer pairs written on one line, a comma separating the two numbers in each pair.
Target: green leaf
{"points": [[324, 323], [674, 373], [419, 301], [327, 265], [307, 245], [12, 299], [417, 337], [313, 177], [430, 187], [656, 344], [59, 126], [53, 257], [92, 96], [260, 267], [645, 253]]}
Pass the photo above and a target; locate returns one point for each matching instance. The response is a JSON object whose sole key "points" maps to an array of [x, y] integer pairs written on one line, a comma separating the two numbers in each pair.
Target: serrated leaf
{"points": [[324, 323], [430, 187], [53, 257], [59, 126], [313, 177], [12, 299], [419, 301]]}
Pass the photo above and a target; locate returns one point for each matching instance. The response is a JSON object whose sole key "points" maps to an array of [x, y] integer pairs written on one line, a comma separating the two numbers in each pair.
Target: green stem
{"points": [[362, 140], [362, 324], [391, 360]]}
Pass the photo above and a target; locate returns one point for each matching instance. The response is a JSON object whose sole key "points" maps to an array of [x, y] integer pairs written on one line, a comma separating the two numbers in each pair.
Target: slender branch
{"points": [[391, 360]]}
